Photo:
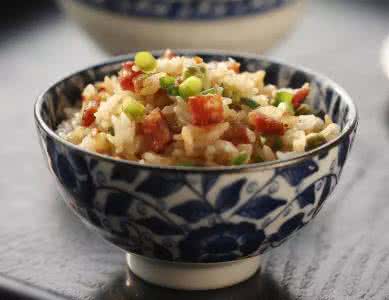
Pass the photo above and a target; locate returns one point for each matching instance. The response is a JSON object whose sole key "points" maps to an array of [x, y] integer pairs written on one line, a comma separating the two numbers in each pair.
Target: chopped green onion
{"points": [[212, 91], [283, 96], [145, 61], [240, 159], [250, 103], [287, 106], [133, 109], [190, 87], [314, 140], [166, 82], [172, 91], [304, 109], [111, 130]]}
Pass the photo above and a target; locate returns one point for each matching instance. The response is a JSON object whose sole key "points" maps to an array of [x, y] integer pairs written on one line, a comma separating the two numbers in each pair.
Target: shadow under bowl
{"points": [[196, 227]]}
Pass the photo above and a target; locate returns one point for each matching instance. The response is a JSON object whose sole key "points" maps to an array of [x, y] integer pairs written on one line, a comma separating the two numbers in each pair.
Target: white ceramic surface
{"points": [[120, 34], [186, 276]]}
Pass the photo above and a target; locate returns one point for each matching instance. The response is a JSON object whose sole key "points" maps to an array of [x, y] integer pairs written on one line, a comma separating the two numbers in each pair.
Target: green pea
{"points": [[191, 86], [250, 103], [314, 140], [240, 159], [166, 82], [133, 109], [145, 61]]}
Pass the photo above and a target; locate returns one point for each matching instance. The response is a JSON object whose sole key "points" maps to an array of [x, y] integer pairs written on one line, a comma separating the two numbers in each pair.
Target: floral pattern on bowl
{"points": [[192, 9]]}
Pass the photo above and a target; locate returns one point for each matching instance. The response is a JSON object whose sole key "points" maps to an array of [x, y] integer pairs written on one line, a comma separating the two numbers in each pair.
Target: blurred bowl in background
{"points": [[120, 26], [385, 57]]}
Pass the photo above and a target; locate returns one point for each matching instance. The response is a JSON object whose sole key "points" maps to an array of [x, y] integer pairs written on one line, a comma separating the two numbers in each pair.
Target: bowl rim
{"points": [[346, 131], [210, 17]]}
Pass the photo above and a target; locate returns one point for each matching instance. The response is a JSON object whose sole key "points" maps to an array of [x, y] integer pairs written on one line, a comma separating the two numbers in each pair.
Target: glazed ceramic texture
{"points": [[193, 214], [192, 9]]}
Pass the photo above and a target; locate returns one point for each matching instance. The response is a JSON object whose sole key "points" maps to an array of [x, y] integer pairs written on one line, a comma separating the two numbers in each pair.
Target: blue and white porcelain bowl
{"points": [[196, 227], [120, 26]]}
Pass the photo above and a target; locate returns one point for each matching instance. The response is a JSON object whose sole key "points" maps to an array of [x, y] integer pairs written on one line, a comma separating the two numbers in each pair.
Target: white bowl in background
{"points": [[120, 26], [385, 56]]}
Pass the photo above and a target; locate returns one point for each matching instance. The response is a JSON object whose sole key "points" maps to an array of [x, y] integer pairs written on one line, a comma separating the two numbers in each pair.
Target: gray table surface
{"points": [[343, 254]]}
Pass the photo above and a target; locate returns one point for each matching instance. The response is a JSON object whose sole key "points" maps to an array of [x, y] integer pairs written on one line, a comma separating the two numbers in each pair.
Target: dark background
{"points": [[343, 254]]}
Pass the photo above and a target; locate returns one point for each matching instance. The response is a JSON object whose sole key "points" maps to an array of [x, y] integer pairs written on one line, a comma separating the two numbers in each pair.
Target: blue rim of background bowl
{"points": [[187, 9], [346, 131]]}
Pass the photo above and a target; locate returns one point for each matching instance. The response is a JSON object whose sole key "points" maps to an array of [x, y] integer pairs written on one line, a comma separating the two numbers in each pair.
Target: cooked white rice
{"points": [[133, 117]]}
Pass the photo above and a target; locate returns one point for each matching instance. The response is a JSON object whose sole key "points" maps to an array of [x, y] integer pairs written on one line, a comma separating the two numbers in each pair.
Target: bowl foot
{"points": [[193, 276]]}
